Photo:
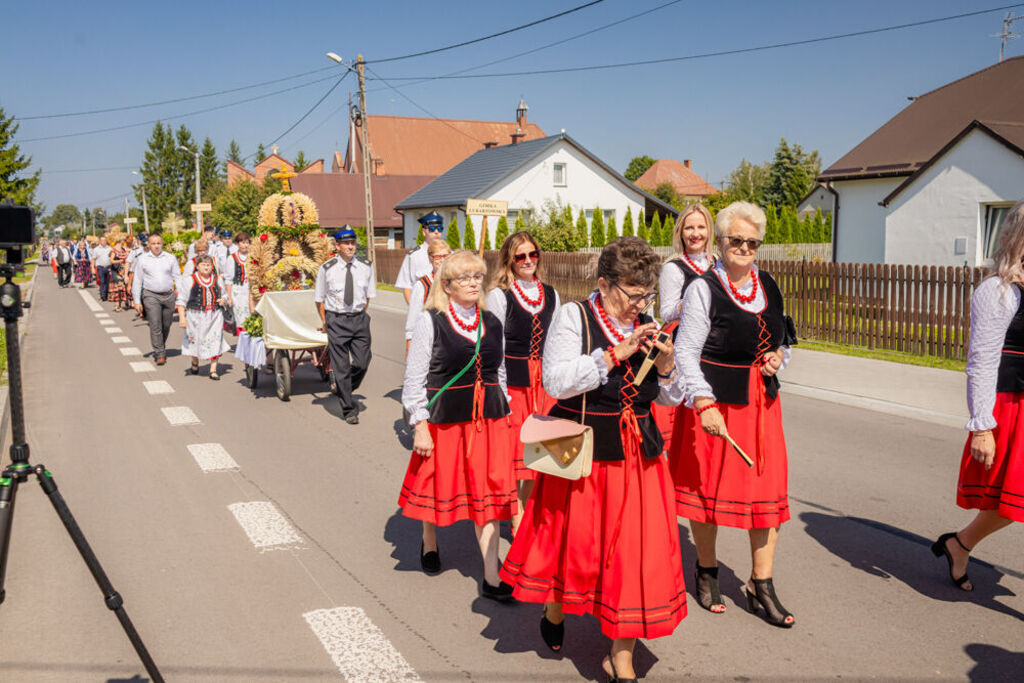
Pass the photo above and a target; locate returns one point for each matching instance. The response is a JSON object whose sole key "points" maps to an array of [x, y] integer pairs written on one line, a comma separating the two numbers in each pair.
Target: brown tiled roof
{"points": [[915, 135], [681, 176], [339, 197], [418, 146]]}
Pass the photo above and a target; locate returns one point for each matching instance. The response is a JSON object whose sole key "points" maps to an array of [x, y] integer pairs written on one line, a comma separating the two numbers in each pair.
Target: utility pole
{"points": [[1007, 32], [360, 67]]}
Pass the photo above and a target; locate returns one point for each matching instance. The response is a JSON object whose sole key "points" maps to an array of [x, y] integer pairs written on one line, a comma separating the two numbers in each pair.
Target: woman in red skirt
{"points": [[454, 391], [730, 344], [992, 466], [525, 307], [691, 239], [608, 543]]}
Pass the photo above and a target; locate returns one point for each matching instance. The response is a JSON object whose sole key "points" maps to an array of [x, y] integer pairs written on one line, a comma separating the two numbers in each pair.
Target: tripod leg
{"points": [[8, 491], [111, 597]]}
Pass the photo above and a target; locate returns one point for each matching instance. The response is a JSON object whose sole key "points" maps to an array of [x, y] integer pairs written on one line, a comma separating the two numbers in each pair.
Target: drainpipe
{"points": [[835, 219]]}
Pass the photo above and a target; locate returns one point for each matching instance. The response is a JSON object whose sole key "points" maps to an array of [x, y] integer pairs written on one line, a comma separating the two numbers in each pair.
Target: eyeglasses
{"points": [[737, 242], [532, 255], [435, 228], [439, 257], [475, 278], [637, 299]]}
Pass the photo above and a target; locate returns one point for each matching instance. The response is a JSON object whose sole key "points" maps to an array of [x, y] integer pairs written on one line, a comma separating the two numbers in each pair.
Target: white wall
{"points": [[860, 237], [946, 202], [820, 198]]}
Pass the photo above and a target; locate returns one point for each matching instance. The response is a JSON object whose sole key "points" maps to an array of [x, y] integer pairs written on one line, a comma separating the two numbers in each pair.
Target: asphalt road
{"points": [[295, 565]]}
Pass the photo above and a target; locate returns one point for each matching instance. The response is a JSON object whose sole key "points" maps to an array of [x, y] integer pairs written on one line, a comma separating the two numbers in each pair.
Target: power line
{"points": [[178, 116], [174, 100], [87, 170], [311, 109], [493, 35], [722, 53], [423, 109]]}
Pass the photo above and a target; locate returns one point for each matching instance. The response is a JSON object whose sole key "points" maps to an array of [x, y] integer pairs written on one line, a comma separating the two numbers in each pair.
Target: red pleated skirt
{"points": [[456, 483], [563, 549], [714, 485], [1001, 487], [665, 418], [520, 407]]}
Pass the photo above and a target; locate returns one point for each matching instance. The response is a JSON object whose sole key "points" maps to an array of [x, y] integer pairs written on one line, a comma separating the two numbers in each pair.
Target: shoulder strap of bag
{"points": [[587, 351], [471, 363]]}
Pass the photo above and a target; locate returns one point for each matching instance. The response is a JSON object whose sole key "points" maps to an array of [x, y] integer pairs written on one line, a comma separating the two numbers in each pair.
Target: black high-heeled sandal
{"points": [[708, 594], [613, 677], [774, 613], [430, 562], [939, 549], [552, 633]]}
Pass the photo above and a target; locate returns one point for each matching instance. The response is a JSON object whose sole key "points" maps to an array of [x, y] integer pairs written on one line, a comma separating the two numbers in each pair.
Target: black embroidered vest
{"points": [[735, 337], [605, 404], [1011, 360], [519, 335], [203, 297], [241, 277], [451, 352]]}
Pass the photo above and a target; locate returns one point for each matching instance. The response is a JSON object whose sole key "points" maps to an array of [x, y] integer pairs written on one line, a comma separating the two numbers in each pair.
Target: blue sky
{"points": [[73, 56]]}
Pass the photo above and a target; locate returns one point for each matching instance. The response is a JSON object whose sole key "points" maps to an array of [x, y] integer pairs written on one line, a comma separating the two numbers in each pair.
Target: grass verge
{"points": [[892, 356]]}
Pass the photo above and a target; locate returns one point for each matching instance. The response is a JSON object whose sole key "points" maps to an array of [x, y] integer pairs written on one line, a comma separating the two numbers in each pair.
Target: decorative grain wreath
{"points": [[288, 211], [291, 273]]}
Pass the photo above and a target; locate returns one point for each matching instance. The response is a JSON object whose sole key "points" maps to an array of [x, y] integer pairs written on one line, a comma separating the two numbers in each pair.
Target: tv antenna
{"points": [[1007, 32]]}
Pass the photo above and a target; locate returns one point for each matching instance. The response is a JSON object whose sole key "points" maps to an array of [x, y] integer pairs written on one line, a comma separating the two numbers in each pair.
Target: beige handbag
{"points": [[556, 446]]}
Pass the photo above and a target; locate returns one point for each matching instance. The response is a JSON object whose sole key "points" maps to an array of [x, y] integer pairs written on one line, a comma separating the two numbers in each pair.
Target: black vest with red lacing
{"points": [[241, 277], [451, 353], [689, 274], [426, 282], [1011, 360], [203, 297], [525, 334], [738, 339], [606, 403]]}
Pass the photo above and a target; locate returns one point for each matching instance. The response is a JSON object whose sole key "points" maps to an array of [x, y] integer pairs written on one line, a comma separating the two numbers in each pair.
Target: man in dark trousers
{"points": [[62, 255], [156, 277], [344, 287]]}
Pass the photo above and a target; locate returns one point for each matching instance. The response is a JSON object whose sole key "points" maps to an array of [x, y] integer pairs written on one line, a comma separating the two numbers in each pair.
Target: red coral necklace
{"points": [[697, 269], [458, 320], [608, 325], [539, 303], [736, 293]]}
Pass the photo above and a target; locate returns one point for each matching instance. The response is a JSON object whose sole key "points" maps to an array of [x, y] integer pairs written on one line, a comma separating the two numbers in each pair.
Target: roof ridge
{"points": [[970, 75], [442, 119]]}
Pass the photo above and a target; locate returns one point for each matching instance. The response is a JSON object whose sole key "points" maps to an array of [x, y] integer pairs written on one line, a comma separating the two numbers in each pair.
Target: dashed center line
{"points": [[102, 315], [130, 351], [113, 330], [89, 301], [212, 457], [120, 340], [265, 526], [107, 321], [358, 647], [180, 415], [158, 387], [142, 366]]}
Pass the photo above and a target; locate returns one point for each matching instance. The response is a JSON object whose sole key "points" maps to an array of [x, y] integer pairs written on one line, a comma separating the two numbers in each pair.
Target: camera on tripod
{"points": [[17, 230]]}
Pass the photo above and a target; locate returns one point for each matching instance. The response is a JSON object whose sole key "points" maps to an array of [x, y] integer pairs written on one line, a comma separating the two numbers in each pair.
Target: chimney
{"points": [[378, 167], [488, 145], [517, 135], [521, 113], [688, 164]]}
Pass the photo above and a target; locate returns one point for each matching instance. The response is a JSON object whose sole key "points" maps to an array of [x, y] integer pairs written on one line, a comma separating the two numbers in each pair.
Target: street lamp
{"points": [[199, 213], [145, 209]]}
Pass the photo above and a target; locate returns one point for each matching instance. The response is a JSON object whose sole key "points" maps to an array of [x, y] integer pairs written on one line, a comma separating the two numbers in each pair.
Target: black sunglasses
{"points": [[533, 256], [737, 242], [435, 228]]}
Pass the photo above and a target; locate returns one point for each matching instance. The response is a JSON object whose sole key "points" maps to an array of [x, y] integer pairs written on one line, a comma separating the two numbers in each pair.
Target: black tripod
{"points": [[20, 470]]}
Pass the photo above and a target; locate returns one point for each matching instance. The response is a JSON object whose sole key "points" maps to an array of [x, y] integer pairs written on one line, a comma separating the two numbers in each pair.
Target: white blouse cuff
{"points": [[600, 365], [980, 424], [419, 415]]}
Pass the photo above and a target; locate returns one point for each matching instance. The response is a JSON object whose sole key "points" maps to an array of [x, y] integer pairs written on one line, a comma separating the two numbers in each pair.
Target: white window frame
{"points": [[991, 226], [554, 174]]}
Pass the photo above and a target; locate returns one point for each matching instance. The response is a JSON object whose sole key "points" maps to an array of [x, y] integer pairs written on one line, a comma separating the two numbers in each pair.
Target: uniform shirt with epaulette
{"points": [[330, 285]]}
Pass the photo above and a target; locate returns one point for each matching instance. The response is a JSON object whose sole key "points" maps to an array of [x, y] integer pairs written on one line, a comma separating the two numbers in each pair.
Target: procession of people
{"points": [[590, 426]]}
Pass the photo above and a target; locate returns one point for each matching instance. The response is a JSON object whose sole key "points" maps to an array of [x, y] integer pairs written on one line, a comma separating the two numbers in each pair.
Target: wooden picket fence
{"points": [[913, 309]]}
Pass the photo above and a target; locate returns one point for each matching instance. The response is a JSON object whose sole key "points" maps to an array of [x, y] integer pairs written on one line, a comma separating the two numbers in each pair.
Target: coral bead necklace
{"points": [[539, 303], [458, 321]]}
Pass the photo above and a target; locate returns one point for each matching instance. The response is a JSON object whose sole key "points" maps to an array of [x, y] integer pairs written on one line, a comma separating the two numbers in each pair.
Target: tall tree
{"points": [[791, 174], [747, 182], [66, 215], [300, 161], [637, 167], [234, 152], [159, 170], [452, 237], [185, 167], [15, 183], [469, 235], [520, 223], [597, 238], [209, 172], [238, 206], [261, 153], [99, 219], [627, 223], [581, 228], [487, 239], [501, 234], [641, 228], [612, 232], [654, 236]]}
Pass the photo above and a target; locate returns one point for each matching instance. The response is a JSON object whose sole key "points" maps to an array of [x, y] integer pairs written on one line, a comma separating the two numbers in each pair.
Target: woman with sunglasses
{"points": [[731, 343], [525, 305], [607, 544], [438, 251], [454, 390]]}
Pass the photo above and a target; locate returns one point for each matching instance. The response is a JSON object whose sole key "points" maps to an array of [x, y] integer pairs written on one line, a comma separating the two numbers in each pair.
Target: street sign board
{"points": [[202, 207], [486, 207], [129, 221]]}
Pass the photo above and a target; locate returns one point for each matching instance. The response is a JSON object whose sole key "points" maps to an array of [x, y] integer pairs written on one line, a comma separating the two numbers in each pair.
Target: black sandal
{"points": [[552, 633], [214, 376], [708, 594], [194, 370], [939, 549], [613, 677], [774, 613]]}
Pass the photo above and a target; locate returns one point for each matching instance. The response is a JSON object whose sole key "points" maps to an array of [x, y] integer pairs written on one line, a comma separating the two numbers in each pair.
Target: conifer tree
{"points": [[452, 237], [828, 228], [597, 237], [261, 153], [581, 228], [627, 223], [654, 236], [468, 235], [420, 238], [612, 233], [771, 228], [487, 239], [15, 184], [642, 231], [501, 234], [209, 171], [819, 227], [520, 223], [234, 152]]}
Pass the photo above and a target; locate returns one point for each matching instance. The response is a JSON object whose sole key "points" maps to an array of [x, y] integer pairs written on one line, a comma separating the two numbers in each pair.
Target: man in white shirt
{"points": [[417, 263], [62, 257], [222, 249], [101, 260], [344, 287], [156, 277]]}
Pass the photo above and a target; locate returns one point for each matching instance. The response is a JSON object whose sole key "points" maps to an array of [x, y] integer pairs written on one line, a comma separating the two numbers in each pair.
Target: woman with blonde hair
{"points": [[992, 466], [525, 307], [456, 396], [733, 338]]}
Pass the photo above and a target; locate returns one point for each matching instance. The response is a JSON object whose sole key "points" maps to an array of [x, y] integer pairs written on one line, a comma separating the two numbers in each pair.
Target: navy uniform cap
{"points": [[346, 233], [432, 218], [226, 233]]}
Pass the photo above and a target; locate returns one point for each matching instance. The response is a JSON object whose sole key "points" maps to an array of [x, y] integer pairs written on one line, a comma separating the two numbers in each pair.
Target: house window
{"points": [[995, 214], [515, 213], [559, 175], [606, 215]]}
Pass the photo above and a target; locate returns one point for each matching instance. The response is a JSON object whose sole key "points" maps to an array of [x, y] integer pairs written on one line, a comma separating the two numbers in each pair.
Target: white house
{"points": [[933, 184], [527, 175]]}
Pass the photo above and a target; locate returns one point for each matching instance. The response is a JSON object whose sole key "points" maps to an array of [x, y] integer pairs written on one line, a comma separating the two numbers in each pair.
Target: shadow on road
{"points": [[456, 544], [994, 663], [889, 552]]}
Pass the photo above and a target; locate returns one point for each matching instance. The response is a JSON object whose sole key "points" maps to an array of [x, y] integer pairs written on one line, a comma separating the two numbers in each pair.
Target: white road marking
{"points": [[143, 366], [359, 649], [107, 321], [89, 301], [120, 340], [180, 415], [265, 526], [113, 330], [158, 387], [102, 315], [130, 351], [212, 457]]}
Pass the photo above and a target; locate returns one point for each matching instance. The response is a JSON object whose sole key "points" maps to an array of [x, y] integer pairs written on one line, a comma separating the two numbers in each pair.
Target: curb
{"points": [[5, 406], [877, 405]]}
